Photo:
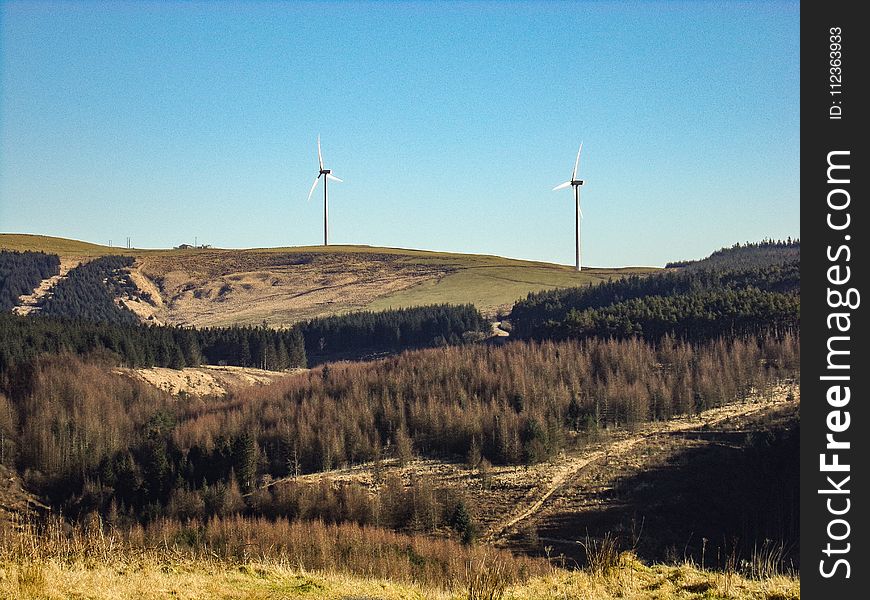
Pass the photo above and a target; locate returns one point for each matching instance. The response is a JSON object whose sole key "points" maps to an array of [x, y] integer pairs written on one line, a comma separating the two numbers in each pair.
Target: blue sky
{"points": [[449, 123]]}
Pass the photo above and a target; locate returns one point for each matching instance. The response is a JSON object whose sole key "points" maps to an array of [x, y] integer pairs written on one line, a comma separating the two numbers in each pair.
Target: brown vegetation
{"points": [[304, 545], [519, 403], [76, 413], [81, 434], [531, 507], [81, 414], [721, 483], [95, 562]]}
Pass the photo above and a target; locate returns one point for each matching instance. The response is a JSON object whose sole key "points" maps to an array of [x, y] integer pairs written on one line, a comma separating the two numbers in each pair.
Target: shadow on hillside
{"points": [[737, 490]]}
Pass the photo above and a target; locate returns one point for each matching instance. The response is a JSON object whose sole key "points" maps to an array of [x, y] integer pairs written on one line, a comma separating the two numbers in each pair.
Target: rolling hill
{"points": [[217, 287]]}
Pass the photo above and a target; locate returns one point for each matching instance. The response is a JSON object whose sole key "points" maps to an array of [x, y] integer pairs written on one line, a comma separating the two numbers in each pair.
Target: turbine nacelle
{"points": [[325, 173]]}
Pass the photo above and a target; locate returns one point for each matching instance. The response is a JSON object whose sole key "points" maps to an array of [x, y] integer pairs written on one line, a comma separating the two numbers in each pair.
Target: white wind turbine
{"points": [[327, 175], [576, 183]]}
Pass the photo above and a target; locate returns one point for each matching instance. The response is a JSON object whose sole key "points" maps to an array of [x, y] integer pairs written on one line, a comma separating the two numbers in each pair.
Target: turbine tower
{"points": [[575, 183], [327, 175]]}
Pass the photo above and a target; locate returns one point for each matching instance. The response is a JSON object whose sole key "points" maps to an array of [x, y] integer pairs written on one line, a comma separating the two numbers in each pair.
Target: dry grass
{"points": [[29, 550], [254, 559], [144, 578], [188, 580], [635, 581], [219, 287]]}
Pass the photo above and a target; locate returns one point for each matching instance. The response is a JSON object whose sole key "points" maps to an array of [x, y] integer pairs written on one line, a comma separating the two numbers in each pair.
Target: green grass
{"points": [[489, 282], [496, 286], [64, 247]]}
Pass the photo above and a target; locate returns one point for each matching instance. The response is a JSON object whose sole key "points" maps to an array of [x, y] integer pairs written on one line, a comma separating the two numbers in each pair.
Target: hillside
{"points": [[633, 483], [215, 287]]}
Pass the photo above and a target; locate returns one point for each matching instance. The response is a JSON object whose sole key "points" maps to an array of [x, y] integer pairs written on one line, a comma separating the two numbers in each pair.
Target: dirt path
{"points": [[30, 302], [497, 331], [572, 466]]}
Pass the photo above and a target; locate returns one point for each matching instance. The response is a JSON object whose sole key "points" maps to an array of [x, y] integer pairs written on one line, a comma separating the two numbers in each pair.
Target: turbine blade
{"points": [[319, 153], [333, 177], [562, 186], [316, 179], [577, 162]]}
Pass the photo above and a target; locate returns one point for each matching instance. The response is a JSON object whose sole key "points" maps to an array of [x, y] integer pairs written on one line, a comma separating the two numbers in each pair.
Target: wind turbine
{"points": [[576, 183], [327, 175]]}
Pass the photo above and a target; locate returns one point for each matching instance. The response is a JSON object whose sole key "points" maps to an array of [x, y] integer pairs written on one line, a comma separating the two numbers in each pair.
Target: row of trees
{"points": [[750, 254], [69, 422], [695, 304], [363, 333], [135, 345], [21, 272], [696, 316]]}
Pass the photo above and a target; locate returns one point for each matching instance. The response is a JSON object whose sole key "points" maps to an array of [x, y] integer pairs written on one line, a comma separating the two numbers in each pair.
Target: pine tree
{"points": [[245, 458], [462, 523]]}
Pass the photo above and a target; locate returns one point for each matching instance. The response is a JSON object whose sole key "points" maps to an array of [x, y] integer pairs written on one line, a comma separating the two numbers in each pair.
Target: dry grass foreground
{"points": [[251, 559], [214, 287], [145, 579]]}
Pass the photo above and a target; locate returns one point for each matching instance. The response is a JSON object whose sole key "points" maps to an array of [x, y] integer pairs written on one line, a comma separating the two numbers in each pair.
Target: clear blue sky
{"points": [[450, 123]]}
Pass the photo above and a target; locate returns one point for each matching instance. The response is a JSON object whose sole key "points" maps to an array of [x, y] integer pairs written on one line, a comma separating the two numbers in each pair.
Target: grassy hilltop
{"points": [[209, 287]]}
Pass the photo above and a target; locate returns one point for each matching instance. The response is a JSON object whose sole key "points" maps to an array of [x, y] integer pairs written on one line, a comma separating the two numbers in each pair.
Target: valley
{"points": [[482, 427]]}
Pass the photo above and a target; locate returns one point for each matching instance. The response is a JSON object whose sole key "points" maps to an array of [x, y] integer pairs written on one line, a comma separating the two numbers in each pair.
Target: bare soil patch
{"points": [[206, 380]]}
